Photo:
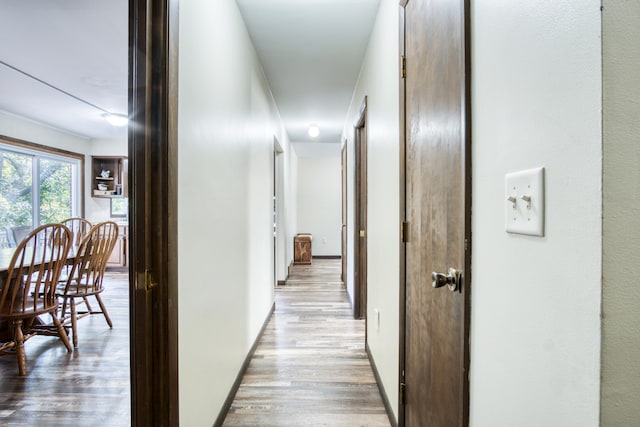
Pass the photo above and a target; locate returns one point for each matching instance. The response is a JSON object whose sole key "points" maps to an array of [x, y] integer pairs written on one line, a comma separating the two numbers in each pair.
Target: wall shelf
{"points": [[113, 185]]}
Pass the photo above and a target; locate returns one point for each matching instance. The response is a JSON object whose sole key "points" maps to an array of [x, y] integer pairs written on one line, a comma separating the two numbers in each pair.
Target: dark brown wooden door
{"points": [[437, 210], [343, 275], [360, 207]]}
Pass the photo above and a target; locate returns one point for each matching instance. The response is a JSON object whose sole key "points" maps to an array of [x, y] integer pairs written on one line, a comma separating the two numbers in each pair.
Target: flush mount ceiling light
{"points": [[112, 118], [116, 119], [313, 131]]}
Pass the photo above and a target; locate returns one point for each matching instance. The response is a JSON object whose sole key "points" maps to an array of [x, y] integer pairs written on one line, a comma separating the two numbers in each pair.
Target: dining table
{"points": [[5, 258], [6, 254]]}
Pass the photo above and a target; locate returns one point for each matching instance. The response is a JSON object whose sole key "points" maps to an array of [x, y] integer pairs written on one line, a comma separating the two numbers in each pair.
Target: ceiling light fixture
{"points": [[112, 118], [116, 119], [313, 131]]}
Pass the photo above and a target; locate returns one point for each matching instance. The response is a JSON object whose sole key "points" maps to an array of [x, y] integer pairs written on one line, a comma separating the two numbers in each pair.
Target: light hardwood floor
{"points": [[310, 367], [89, 387]]}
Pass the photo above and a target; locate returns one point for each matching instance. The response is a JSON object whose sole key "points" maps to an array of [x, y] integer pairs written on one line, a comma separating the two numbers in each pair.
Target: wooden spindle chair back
{"points": [[87, 273], [79, 228], [29, 289]]}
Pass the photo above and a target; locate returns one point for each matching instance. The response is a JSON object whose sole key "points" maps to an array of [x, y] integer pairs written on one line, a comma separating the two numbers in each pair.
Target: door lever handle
{"points": [[453, 279]]}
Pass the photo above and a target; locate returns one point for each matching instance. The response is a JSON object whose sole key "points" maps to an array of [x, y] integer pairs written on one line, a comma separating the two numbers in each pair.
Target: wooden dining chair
{"points": [[79, 228], [86, 276], [28, 289]]}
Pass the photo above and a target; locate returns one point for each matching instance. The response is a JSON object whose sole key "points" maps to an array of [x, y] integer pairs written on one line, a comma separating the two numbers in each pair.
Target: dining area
{"points": [[52, 270], [64, 282], [55, 287]]}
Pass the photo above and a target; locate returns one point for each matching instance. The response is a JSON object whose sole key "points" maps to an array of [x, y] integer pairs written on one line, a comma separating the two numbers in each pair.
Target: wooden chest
{"points": [[302, 248]]}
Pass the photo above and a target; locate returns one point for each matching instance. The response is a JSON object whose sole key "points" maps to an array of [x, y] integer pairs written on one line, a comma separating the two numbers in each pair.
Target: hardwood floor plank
{"points": [[89, 387], [310, 367]]}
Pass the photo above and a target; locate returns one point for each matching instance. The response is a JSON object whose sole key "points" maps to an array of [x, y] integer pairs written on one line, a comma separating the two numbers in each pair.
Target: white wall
{"points": [[320, 203], [227, 122], [535, 317], [28, 130], [379, 82], [621, 222]]}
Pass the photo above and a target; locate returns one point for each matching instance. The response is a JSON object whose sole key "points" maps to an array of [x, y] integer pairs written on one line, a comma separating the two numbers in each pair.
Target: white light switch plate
{"points": [[524, 202]]}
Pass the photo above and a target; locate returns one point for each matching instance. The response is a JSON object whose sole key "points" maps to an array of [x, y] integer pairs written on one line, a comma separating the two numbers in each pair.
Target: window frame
{"points": [[45, 151]]}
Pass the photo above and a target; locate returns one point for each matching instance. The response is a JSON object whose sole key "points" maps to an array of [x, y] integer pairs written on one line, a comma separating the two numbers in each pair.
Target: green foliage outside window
{"points": [[15, 189], [54, 186], [55, 191]]}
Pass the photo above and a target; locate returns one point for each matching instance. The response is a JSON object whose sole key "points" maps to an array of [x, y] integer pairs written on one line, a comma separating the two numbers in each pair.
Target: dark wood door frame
{"points": [[274, 215], [360, 211], [343, 169], [153, 78], [277, 211], [403, 226]]}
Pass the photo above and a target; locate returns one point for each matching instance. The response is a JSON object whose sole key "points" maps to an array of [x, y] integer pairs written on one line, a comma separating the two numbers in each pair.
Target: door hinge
{"points": [[144, 281], [403, 389], [466, 245], [405, 232], [403, 67]]}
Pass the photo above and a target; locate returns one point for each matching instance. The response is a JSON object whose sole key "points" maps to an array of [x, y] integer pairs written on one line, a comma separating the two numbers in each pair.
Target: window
{"points": [[38, 185], [119, 208]]}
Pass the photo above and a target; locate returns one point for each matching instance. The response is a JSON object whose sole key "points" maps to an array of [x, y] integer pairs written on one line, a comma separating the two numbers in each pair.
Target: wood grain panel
{"points": [[436, 322], [153, 108], [310, 367]]}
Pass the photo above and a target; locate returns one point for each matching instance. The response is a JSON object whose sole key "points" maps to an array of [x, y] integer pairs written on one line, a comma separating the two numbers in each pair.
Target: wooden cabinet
{"points": [[108, 176], [302, 249], [120, 251]]}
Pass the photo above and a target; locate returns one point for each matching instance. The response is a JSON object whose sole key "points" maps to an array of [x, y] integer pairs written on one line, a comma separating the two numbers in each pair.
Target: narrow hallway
{"points": [[310, 367]]}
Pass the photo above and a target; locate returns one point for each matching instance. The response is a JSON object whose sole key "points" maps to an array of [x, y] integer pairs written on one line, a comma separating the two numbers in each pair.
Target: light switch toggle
{"points": [[524, 208]]}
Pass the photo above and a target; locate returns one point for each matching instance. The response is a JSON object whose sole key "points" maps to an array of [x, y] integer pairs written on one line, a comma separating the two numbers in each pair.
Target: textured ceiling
{"points": [[311, 51]]}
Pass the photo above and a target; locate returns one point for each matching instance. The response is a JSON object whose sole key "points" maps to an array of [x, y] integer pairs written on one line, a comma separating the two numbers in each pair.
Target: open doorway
{"points": [[68, 64], [279, 231], [360, 209]]}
